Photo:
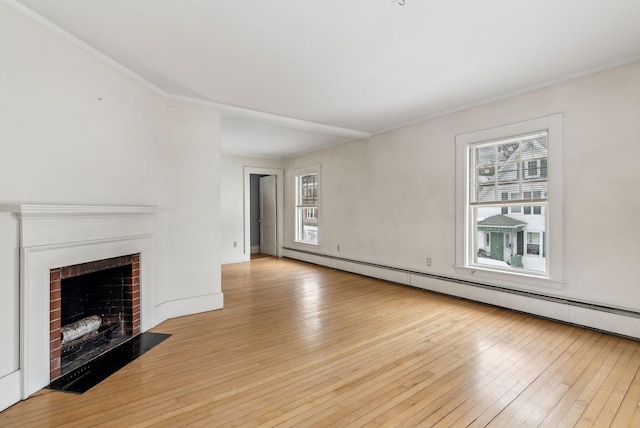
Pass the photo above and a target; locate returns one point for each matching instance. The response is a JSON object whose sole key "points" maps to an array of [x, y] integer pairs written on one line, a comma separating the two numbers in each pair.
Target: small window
{"points": [[307, 207], [531, 170], [515, 209], [533, 243]]}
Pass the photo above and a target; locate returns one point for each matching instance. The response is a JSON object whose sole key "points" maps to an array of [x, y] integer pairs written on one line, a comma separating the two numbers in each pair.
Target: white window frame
{"points": [[553, 230], [298, 174]]}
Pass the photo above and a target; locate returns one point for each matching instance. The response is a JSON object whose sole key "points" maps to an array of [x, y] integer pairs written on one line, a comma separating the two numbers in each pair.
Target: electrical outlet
{"points": [[235, 244], [428, 261], [338, 247]]}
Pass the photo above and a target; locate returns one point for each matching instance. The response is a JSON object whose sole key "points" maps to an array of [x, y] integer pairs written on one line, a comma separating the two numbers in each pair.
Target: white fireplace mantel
{"points": [[54, 236], [56, 224], [47, 210]]}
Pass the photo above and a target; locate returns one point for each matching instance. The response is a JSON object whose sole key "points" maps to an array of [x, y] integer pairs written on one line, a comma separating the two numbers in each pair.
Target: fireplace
{"points": [[59, 241], [94, 307]]}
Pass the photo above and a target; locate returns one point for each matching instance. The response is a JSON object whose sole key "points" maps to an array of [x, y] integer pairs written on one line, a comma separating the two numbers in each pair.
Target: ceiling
{"points": [[291, 76]]}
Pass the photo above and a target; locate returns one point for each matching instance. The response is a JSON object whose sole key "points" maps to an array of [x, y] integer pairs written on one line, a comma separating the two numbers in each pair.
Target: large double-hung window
{"points": [[307, 207], [507, 184], [509, 199]]}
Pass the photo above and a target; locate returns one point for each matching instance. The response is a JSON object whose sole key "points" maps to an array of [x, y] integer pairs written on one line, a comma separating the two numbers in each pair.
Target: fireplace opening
{"points": [[96, 314], [95, 307]]}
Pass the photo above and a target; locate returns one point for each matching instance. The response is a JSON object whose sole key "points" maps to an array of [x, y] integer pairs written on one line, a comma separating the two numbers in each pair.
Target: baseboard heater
{"points": [[570, 302]]}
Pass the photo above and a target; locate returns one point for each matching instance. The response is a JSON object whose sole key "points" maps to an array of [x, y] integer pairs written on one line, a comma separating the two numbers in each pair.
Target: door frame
{"points": [[279, 173]]}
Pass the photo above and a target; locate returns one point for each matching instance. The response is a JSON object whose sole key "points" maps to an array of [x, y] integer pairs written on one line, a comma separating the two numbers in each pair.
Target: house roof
{"points": [[501, 220]]}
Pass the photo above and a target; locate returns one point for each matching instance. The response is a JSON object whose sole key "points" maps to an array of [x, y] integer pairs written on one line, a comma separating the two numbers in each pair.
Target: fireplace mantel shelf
{"points": [[50, 210]]}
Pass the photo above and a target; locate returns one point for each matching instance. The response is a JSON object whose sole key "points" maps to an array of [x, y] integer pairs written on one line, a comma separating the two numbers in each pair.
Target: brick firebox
{"points": [[131, 297]]}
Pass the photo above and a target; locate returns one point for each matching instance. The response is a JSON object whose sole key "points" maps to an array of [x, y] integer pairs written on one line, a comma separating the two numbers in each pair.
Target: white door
{"points": [[268, 215]]}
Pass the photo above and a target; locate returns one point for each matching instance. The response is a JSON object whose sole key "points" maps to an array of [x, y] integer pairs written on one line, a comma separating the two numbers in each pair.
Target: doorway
{"points": [[264, 211], [263, 227]]}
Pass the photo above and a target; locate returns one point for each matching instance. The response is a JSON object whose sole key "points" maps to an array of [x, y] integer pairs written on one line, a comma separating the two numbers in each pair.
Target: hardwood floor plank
{"points": [[618, 383], [375, 390], [580, 382], [631, 394], [573, 385], [514, 365], [516, 411], [453, 389], [306, 346]]}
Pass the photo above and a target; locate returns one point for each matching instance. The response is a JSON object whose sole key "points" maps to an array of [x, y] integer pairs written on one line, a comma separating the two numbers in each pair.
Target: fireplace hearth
{"points": [[93, 372]]}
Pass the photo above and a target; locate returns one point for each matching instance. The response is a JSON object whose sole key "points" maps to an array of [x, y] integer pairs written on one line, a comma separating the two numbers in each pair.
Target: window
{"points": [[515, 209], [307, 206], [497, 186], [533, 243], [510, 188]]}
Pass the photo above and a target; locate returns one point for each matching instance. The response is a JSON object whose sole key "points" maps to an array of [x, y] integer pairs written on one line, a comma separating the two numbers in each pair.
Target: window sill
{"points": [[510, 279], [307, 244]]}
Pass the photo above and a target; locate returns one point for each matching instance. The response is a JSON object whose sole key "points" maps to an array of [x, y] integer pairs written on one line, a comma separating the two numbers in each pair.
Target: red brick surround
{"points": [[132, 295]]}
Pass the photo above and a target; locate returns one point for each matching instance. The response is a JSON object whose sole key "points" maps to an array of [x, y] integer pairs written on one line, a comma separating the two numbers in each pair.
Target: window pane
{"points": [[309, 190], [530, 169], [513, 190], [505, 240], [534, 190], [535, 148], [486, 194], [519, 162], [508, 172], [508, 158], [486, 155]]}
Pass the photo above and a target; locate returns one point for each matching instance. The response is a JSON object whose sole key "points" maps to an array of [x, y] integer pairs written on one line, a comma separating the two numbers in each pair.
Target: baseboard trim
{"points": [[599, 317], [228, 259], [188, 306], [10, 389]]}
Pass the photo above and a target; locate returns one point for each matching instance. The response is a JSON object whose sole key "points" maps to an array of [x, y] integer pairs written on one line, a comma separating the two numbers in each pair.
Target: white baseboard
{"points": [[192, 305], [255, 249], [10, 389], [227, 259], [612, 321]]}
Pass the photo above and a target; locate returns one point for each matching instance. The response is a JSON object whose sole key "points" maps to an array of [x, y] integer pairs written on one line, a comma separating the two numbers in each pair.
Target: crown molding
{"points": [[290, 122], [39, 19], [275, 119], [285, 121], [521, 91]]}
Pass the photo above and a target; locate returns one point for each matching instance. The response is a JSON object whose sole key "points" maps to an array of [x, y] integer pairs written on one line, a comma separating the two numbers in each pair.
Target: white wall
{"points": [[390, 199], [193, 211], [233, 204], [74, 130]]}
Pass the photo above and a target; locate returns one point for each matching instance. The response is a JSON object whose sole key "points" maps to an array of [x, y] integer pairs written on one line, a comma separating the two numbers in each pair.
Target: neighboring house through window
{"points": [[307, 206], [509, 199]]}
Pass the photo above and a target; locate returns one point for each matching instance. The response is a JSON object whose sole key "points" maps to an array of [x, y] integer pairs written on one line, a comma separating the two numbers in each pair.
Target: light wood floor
{"points": [[300, 345]]}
